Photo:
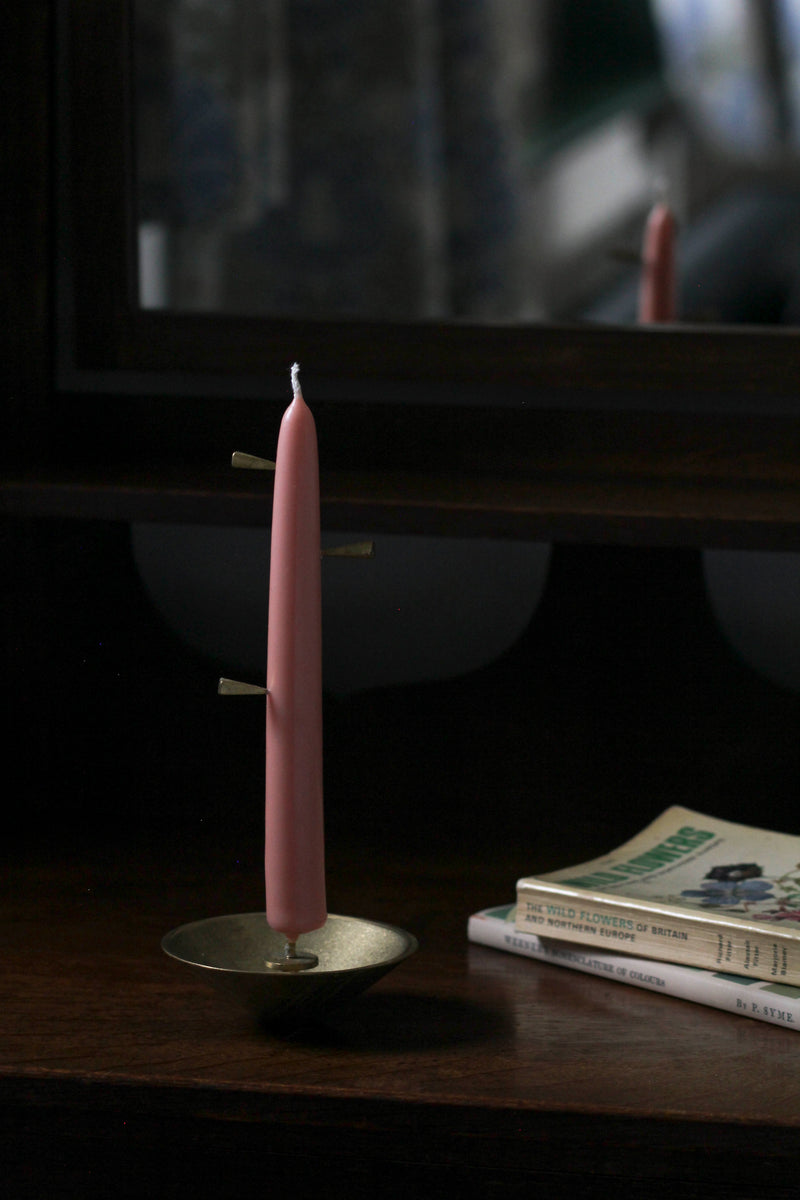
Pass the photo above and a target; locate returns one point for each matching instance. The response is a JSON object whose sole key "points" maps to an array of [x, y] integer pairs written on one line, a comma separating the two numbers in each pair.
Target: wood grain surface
{"points": [[121, 1074]]}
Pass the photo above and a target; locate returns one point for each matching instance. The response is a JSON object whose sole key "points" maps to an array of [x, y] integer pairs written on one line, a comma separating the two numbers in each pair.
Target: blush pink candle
{"points": [[657, 290], [294, 841]]}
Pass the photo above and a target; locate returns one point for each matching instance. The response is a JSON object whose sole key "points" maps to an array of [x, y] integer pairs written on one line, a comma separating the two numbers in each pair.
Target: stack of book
{"points": [[692, 906]]}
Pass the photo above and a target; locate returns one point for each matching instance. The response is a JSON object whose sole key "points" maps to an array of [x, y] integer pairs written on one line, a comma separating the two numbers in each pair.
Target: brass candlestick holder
{"points": [[245, 960], [255, 966]]}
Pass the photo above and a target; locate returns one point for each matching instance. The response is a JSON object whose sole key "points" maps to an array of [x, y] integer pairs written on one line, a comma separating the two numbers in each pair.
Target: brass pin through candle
{"points": [[293, 960], [251, 462], [350, 550], [235, 687]]}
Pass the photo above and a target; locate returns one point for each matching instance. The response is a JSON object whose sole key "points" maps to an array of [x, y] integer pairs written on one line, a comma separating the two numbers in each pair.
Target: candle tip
{"points": [[296, 380]]}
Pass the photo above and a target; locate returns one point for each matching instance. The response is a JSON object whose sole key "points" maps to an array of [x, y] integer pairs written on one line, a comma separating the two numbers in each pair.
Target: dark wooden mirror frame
{"points": [[670, 434], [699, 369]]}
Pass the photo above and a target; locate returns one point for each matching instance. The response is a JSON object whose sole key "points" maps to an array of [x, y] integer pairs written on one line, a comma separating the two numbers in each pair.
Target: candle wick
{"points": [[296, 380]]}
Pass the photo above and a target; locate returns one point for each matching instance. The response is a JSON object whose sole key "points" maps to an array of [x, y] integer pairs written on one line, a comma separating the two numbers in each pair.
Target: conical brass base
{"points": [[233, 954]]}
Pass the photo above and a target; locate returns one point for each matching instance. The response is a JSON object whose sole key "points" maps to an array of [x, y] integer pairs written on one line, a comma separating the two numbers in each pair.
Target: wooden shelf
{"points": [[555, 503], [465, 1065], [141, 810]]}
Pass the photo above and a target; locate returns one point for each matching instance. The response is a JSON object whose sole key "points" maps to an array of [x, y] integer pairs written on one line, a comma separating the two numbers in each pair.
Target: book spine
{"points": [[731, 994], [636, 928]]}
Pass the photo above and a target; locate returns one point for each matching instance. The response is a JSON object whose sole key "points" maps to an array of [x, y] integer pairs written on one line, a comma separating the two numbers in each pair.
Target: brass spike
{"points": [[234, 687], [350, 550], [251, 462]]}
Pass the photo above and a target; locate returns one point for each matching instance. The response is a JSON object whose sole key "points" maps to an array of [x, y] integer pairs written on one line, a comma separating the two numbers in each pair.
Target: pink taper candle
{"points": [[657, 290], [294, 843]]}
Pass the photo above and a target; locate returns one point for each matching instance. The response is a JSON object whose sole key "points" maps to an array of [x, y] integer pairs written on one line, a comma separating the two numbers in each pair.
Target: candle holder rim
{"points": [[409, 947]]}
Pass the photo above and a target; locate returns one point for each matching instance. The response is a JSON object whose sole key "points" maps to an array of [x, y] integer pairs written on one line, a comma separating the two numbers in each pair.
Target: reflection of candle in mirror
{"points": [[294, 841], [657, 288]]}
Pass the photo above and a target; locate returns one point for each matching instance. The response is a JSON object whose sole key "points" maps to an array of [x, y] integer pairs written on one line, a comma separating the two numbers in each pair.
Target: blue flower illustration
{"points": [[720, 893]]}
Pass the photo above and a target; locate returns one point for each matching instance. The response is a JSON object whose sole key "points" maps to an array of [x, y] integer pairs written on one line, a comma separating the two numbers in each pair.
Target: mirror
{"points": [[490, 161]]}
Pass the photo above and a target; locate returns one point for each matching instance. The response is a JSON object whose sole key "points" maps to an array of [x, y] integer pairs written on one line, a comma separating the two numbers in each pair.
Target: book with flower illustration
{"points": [[688, 889], [775, 1003]]}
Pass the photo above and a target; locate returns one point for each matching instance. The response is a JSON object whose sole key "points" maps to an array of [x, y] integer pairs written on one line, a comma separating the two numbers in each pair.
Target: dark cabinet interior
{"points": [[135, 799]]}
